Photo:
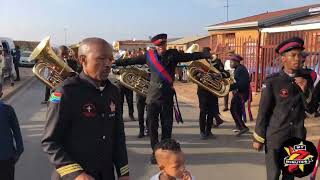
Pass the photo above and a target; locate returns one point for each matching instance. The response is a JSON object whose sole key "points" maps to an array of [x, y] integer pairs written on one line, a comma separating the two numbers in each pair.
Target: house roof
{"points": [[130, 42], [267, 19], [186, 40]]}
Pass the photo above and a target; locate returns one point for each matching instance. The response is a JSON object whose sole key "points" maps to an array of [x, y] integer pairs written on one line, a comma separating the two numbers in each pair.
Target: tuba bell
{"points": [[135, 79], [208, 77], [49, 68]]}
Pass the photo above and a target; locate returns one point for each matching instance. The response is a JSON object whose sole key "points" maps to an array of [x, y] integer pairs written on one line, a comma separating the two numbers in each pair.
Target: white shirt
{"points": [[157, 177]]}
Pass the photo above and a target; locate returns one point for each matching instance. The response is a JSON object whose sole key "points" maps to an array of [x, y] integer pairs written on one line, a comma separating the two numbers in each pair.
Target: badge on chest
{"points": [[89, 110], [112, 109], [284, 93]]}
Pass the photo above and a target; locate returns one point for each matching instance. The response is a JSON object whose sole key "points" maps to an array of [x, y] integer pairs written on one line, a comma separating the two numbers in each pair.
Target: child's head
{"points": [[170, 158]]}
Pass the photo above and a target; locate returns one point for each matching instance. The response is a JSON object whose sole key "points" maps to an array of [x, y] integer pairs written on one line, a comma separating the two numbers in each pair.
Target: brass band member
{"points": [[84, 135], [162, 63], [208, 104], [240, 90], [282, 112]]}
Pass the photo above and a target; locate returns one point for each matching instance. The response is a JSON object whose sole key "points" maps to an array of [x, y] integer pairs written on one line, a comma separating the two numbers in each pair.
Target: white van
{"points": [[9, 42]]}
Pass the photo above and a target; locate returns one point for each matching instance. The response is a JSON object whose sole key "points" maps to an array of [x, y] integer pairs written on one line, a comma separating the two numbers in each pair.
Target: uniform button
{"points": [[102, 114], [103, 137], [290, 123]]}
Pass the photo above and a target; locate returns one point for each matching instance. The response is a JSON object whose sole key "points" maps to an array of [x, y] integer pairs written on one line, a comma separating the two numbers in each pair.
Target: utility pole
{"points": [[227, 6], [65, 35]]}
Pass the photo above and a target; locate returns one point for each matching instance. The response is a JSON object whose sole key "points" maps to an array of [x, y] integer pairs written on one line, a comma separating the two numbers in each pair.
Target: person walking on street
{"points": [[84, 135], [282, 109], [11, 144], [7, 67], [16, 62], [160, 97], [240, 90]]}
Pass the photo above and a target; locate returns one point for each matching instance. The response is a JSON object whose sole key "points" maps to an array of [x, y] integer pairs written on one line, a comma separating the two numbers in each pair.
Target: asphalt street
{"points": [[225, 158]]}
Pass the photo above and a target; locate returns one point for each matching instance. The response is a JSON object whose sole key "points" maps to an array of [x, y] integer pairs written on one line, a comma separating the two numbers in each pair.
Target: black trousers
{"points": [[272, 165], [165, 111], [209, 108], [47, 93], [141, 106], [128, 93], [16, 68], [237, 108], [6, 170], [226, 101]]}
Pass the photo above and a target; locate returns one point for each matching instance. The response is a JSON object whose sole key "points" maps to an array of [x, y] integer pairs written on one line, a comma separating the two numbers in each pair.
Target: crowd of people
{"points": [[84, 135]]}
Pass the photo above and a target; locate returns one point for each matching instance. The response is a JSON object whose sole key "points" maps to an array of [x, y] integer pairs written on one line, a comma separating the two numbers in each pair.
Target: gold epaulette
{"points": [[258, 138], [124, 170], [70, 168]]}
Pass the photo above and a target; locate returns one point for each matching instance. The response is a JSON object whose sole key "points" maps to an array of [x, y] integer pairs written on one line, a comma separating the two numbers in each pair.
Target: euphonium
{"points": [[134, 79], [207, 76], [50, 69]]}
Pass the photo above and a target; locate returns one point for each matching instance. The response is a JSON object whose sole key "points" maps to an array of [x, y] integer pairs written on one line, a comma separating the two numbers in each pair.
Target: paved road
{"points": [[226, 157]]}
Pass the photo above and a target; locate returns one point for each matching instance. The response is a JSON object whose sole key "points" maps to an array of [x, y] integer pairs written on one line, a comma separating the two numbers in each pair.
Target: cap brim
{"points": [[294, 47]]}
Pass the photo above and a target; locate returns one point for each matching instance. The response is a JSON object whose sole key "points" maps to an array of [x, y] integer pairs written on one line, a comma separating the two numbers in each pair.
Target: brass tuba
{"points": [[207, 76], [49, 68], [135, 79]]}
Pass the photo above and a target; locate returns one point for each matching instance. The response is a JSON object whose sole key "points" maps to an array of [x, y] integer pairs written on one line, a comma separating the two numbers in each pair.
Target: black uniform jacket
{"points": [[84, 131], [159, 90], [281, 112], [242, 83]]}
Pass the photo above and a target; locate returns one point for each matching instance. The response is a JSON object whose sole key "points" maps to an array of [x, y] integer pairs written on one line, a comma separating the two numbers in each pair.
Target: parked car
{"points": [[24, 59]]}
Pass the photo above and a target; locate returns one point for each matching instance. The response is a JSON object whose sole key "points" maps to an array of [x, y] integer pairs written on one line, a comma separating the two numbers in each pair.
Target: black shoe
{"points": [[210, 135], [131, 117], [44, 102], [218, 123], [203, 136], [225, 109], [242, 131], [153, 159]]}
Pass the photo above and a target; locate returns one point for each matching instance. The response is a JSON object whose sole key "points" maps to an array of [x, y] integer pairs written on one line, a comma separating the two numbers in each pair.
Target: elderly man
{"points": [[84, 135]]}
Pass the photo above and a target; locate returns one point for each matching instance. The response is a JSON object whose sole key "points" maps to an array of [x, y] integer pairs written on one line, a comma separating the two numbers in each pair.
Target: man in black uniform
{"points": [[208, 103], [141, 106], [128, 93], [240, 91], [63, 53], [162, 63], [84, 135], [282, 112]]}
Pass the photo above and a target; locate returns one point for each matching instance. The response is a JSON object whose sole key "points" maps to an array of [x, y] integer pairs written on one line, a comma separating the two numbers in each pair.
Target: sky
{"points": [[70, 21]]}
